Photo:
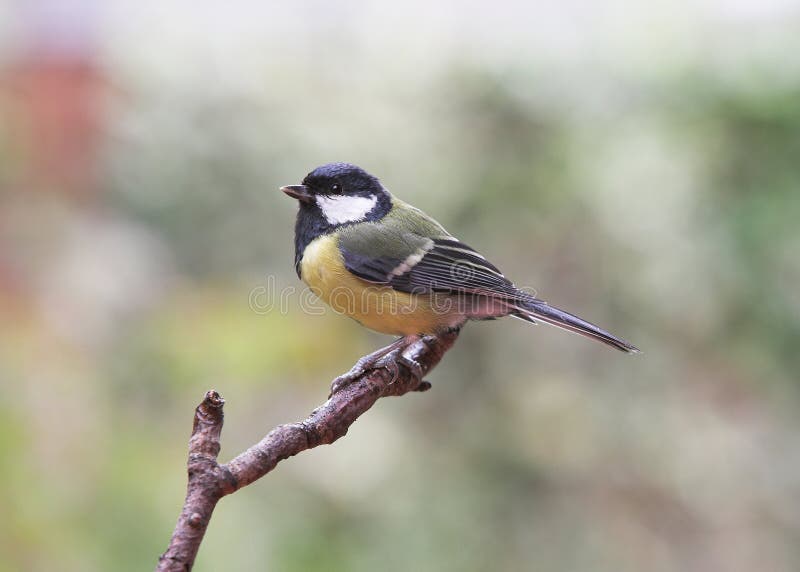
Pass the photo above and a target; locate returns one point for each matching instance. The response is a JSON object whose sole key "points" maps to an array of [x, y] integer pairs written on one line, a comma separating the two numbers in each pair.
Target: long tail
{"points": [[538, 311]]}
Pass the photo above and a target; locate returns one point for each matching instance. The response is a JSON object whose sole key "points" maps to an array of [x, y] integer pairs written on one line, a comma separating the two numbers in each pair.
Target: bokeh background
{"points": [[636, 163]]}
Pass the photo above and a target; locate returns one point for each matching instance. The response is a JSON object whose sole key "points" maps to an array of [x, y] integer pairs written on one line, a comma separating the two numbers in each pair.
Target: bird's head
{"points": [[341, 193]]}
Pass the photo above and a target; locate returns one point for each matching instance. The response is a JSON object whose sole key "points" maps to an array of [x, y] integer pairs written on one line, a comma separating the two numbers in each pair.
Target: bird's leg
{"points": [[370, 361]]}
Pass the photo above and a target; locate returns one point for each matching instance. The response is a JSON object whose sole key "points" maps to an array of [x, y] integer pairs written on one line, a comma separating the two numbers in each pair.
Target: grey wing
{"points": [[412, 263], [452, 266]]}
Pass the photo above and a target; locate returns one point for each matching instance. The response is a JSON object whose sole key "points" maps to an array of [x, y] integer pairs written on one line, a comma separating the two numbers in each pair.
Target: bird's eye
{"points": [[336, 189]]}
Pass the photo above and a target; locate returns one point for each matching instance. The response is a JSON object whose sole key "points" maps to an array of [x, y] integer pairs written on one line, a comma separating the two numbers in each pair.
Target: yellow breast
{"points": [[380, 308]]}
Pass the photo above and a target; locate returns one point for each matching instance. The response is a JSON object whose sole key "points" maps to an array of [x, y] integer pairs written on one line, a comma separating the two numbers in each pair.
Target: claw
{"points": [[392, 367], [341, 382], [347, 378], [416, 370], [412, 365]]}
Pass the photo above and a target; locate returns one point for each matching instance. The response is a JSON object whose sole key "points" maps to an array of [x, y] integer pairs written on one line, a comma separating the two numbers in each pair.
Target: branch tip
{"points": [[213, 399]]}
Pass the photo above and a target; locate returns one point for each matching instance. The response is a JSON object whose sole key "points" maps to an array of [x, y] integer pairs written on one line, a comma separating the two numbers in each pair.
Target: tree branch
{"points": [[396, 373]]}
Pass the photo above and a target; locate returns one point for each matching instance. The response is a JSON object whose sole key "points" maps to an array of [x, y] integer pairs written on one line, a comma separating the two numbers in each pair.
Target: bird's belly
{"points": [[380, 308]]}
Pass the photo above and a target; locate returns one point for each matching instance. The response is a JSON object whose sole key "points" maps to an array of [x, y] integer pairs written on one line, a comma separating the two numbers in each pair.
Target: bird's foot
{"points": [[374, 360]]}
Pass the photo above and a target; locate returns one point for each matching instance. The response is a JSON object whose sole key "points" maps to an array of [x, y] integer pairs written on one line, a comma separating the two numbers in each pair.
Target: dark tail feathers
{"points": [[539, 311]]}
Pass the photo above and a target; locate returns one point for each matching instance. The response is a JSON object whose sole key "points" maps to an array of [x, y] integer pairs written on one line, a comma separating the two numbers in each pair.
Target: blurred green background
{"points": [[636, 163]]}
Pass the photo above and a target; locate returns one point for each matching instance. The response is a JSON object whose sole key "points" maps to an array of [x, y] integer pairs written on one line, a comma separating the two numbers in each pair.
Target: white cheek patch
{"points": [[339, 209]]}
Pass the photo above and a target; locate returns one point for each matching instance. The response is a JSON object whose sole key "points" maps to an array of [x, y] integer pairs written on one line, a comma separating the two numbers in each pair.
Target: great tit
{"points": [[396, 270]]}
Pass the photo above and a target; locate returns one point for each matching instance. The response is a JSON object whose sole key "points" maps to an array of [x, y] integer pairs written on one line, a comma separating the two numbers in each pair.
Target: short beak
{"points": [[299, 192]]}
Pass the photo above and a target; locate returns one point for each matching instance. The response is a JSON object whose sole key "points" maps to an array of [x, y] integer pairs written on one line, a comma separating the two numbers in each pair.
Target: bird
{"points": [[396, 270]]}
